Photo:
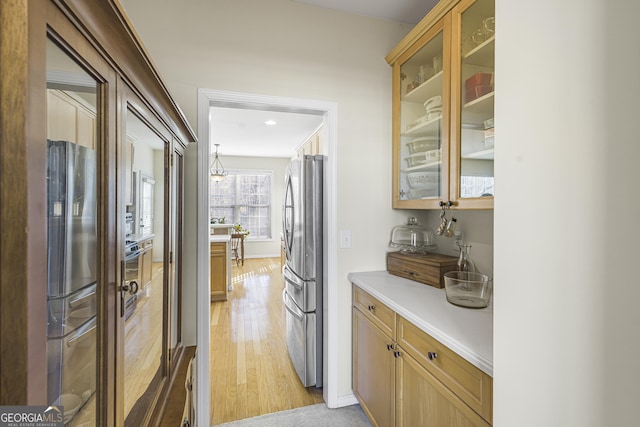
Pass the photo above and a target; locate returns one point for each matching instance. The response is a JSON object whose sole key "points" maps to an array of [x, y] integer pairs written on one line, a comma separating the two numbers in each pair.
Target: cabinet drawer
{"points": [[218, 247], [469, 383], [381, 315]]}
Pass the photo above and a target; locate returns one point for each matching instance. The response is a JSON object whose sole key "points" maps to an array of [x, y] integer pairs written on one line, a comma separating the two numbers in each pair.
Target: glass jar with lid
{"points": [[413, 238]]}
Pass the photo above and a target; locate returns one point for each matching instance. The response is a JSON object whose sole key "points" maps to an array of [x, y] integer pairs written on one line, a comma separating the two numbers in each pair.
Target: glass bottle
{"points": [[465, 263]]}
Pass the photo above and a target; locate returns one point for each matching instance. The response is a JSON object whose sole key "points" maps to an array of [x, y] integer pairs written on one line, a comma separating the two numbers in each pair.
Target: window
{"points": [[243, 197]]}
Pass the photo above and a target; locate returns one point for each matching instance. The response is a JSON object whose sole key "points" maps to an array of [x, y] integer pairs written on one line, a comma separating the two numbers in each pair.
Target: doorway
{"points": [[328, 110]]}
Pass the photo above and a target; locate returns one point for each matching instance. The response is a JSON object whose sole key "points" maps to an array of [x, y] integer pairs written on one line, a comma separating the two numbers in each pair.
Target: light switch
{"points": [[345, 239]]}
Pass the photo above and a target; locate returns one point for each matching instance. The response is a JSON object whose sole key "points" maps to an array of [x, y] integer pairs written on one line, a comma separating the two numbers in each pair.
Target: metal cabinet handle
{"points": [[132, 287], [396, 354], [432, 355], [371, 307], [390, 347]]}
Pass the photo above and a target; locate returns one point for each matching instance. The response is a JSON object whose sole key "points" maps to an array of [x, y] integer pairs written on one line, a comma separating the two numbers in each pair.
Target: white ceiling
{"points": [[242, 132], [407, 11]]}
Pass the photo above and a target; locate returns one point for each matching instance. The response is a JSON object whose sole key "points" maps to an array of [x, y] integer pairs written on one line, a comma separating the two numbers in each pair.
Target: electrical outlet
{"points": [[457, 241]]}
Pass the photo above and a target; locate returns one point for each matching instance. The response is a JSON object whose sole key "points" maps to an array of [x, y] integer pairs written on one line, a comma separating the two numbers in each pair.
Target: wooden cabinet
{"points": [[75, 70], [313, 145], [422, 400], [443, 97], [70, 118], [146, 261], [404, 377], [373, 357], [373, 370], [219, 270]]}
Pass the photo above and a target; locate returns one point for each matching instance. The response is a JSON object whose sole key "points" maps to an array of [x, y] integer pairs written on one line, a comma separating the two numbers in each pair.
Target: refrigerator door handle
{"points": [[291, 278], [295, 311]]}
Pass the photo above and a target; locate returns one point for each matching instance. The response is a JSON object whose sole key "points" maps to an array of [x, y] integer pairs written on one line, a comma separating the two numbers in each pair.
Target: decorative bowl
{"points": [[467, 289]]}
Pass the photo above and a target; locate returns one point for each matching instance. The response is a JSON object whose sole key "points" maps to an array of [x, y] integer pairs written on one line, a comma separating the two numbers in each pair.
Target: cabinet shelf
{"points": [[480, 155], [430, 127], [482, 55], [426, 90], [425, 167], [475, 112]]}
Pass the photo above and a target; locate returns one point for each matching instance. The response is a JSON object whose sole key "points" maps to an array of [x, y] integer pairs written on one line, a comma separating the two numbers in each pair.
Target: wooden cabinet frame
{"points": [[445, 17], [99, 36]]}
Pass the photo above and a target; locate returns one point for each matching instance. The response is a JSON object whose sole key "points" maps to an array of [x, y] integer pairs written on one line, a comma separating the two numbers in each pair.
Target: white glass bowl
{"points": [[467, 289]]}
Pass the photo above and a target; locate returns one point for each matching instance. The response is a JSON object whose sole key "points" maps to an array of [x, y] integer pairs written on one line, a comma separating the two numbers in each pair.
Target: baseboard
{"points": [[346, 400]]}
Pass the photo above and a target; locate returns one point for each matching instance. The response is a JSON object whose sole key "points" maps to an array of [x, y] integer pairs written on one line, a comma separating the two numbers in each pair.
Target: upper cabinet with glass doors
{"points": [[443, 96]]}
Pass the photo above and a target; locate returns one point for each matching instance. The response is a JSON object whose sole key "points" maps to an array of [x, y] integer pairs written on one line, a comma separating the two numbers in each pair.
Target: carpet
{"points": [[313, 416]]}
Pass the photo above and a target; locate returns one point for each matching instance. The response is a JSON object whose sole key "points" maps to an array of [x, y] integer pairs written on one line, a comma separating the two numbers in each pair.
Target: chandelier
{"points": [[216, 170]]}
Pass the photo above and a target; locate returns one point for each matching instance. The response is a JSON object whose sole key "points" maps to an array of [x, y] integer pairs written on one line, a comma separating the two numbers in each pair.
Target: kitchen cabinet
{"points": [[443, 101], [146, 260], [69, 118], [220, 267], [404, 377], [81, 73], [373, 360]]}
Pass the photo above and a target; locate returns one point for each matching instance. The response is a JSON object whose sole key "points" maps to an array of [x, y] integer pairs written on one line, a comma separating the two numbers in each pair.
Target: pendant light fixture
{"points": [[216, 169]]}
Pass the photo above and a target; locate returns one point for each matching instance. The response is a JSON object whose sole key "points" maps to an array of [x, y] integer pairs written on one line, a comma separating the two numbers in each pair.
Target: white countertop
{"points": [[466, 331], [215, 238]]}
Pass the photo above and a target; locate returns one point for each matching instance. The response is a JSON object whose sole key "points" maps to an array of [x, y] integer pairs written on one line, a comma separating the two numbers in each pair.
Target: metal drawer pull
{"points": [[389, 346], [371, 307], [396, 354], [432, 355]]}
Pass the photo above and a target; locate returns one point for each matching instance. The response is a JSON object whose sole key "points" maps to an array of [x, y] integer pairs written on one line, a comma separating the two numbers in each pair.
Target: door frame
{"points": [[329, 111]]}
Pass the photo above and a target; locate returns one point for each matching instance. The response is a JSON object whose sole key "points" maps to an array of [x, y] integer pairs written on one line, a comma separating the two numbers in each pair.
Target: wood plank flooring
{"points": [[251, 373]]}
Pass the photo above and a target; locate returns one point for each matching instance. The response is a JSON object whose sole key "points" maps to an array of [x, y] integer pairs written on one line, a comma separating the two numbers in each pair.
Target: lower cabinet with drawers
{"points": [[404, 377]]}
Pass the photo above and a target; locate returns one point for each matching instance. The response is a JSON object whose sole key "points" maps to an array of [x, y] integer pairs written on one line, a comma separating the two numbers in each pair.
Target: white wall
{"points": [[264, 248], [566, 335], [284, 48]]}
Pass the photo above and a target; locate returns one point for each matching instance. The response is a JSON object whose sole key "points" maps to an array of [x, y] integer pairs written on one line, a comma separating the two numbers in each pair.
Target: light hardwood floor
{"points": [[251, 373]]}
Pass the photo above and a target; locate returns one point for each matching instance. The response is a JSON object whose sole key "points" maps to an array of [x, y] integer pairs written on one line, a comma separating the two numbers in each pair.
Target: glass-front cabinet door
{"points": [[73, 239], [473, 38], [443, 96], [421, 99], [143, 295]]}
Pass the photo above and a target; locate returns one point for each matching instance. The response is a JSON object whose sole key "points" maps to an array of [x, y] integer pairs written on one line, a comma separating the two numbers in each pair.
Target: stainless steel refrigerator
{"points": [[72, 273], [303, 272]]}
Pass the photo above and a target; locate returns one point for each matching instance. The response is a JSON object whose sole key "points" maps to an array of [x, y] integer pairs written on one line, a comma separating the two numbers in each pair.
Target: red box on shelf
{"points": [[478, 85]]}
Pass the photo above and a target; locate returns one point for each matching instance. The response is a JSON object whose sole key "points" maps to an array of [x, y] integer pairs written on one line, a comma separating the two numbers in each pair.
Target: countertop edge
{"points": [[423, 323], [217, 238]]}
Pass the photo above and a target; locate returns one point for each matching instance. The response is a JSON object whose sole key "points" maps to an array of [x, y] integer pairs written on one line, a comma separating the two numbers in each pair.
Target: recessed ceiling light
{"points": [[270, 123]]}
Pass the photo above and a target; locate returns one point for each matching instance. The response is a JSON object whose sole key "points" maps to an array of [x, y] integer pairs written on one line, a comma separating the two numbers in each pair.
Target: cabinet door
{"points": [[421, 120], [472, 148], [218, 271], [422, 400], [373, 371]]}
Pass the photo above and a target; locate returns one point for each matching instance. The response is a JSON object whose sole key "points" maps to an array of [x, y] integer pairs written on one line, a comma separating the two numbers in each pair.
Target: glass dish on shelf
{"points": [[423, 158], [422, 144], [423, 180]]}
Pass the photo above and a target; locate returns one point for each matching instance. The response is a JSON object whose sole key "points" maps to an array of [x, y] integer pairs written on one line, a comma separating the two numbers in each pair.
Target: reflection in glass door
{"points": [[143, 326], [72, 237], [476, 53], [422, 86]]}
